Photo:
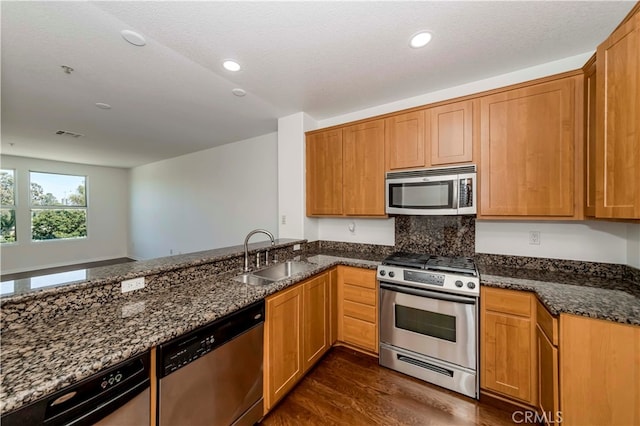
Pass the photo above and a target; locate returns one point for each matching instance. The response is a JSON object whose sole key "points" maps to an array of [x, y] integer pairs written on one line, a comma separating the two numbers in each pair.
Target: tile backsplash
{"points": [[439, 235]]}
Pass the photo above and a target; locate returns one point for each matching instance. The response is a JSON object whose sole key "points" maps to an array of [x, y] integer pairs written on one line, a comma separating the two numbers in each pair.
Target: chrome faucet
{"points": [[246, 244]]}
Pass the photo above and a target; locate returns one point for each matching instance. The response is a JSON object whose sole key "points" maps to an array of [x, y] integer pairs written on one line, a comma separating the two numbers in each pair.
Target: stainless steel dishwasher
{"points": [[117, 396], [213, 375]]}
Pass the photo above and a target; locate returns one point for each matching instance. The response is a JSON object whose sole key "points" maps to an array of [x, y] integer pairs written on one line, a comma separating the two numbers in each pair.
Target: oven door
{"points": [[432, 323], [435, 195]]}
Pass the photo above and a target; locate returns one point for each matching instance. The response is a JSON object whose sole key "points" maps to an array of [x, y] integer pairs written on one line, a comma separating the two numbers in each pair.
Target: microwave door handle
{"points": [[456, 186], [430, 294]]}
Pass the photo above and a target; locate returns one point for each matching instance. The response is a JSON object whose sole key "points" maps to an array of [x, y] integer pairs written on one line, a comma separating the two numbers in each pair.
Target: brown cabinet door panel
{"points": [[618, 119], [528, 151], [363, 159], [451, 133], [404, 140], [315, 319], [324, 173]]}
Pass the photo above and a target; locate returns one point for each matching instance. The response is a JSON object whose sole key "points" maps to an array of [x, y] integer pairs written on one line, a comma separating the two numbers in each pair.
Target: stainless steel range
{"points": [[429, 319]]}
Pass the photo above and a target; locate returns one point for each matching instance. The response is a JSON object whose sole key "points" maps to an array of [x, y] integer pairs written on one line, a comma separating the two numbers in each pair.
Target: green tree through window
{"points": [[8, 209], [58, 206]]}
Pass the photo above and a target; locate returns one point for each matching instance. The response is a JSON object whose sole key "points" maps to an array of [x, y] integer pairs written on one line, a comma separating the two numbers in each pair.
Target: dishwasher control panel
{"points": [[185, 349]]}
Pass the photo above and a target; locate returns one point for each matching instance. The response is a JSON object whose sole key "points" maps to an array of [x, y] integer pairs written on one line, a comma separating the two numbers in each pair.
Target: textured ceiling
{"points": [[172, 96]]}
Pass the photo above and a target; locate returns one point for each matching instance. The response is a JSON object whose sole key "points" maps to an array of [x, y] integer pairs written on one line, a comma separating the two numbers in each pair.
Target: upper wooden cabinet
{"points": [[324, 173], [437, 136], [345, 171], [405, 140], [363, 169], [618, 123], [450, 133], [590, 138], [531, 159]]}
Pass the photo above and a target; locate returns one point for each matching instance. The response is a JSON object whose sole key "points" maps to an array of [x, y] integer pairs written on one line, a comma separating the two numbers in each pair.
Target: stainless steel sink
{"points": [[284, 270], [273, 273]]}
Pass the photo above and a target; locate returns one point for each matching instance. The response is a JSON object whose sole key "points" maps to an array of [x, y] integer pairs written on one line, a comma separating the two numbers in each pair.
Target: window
{"points": [[58, 206], [8, 208]]}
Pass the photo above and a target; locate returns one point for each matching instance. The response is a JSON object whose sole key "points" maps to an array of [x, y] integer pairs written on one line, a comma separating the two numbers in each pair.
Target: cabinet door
{"points": [[506, 360], [283, 344], [315, 319], [324, 173], [590, 136], [528, 151], [363, 159], [618, 118], [599, 372], [404, 140], [451, 138], [548, 396]]}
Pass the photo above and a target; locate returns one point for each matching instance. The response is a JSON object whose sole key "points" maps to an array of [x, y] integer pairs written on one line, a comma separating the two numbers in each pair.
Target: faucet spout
{"points": [[246, 245]]}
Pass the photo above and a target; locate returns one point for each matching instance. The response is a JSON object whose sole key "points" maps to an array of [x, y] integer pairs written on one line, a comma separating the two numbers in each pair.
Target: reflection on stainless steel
{"points": [[246, 245]]}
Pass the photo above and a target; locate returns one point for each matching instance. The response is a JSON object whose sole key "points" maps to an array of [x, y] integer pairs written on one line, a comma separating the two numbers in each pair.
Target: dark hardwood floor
{"points": [[349, 388]]}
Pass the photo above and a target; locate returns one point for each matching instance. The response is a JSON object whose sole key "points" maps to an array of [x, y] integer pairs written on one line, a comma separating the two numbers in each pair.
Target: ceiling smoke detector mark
{"points": [[133, 37], [239, 92], [102, 105], [67, 69], [67, 133]]}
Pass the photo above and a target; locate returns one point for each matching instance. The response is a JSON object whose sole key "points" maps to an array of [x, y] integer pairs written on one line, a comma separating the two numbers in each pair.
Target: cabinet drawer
{"points": [[360, 333], [360, 311], [547, 323], [507, 301], [360, 295], [359, 277]]}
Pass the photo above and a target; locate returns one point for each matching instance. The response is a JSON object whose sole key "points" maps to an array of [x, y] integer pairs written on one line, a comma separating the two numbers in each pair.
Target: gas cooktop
{"points": [[456, 264]]}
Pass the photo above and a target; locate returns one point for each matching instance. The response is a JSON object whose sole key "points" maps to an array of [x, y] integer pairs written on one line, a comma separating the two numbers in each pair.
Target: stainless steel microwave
{"points": [[434, 191]]}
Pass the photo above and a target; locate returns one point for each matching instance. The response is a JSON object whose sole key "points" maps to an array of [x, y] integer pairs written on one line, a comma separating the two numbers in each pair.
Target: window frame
{"points": [[34, 208], [12, 207]]}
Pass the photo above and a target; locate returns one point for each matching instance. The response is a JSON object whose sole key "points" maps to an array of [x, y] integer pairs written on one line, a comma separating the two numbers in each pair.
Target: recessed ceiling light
{"points": [[103, 105], [231, 65], [133, 37], [420, 39], [239, 92]]}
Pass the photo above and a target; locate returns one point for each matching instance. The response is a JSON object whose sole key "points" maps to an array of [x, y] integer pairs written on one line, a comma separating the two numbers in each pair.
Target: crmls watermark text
{"points": [[528, 416]]}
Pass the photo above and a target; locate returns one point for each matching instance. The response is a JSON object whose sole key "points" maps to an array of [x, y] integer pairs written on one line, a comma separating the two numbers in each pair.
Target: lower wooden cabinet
{"points": [[507, 342], [297, 333], [548, 365], [599, 372], [283, 363], [358, 308]]}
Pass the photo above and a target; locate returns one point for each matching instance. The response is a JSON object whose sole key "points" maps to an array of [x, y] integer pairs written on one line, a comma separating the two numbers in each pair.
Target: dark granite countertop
{"points": [[569, 293], [16, 290], [42, 356]]}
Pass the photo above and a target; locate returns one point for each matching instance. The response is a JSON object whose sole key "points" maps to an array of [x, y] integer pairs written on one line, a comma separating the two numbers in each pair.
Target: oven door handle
{"points": [[430, 294]]}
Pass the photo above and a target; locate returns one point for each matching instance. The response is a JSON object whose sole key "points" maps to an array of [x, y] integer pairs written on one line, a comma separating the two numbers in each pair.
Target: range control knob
{"points": [[470, 285], [392, 274], [459, 283], [383, 273]]}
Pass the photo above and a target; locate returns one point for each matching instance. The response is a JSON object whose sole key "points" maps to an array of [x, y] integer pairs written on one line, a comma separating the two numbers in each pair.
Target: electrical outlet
{"points": [[534, 238], [284, 219], [132, 284], [296, 247]]}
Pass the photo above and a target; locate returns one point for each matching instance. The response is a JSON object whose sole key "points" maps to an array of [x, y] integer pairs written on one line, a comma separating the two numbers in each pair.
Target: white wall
{"points": [[107, 204], [633, 245], [204, 200], [594, 241], [292, 220]]}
